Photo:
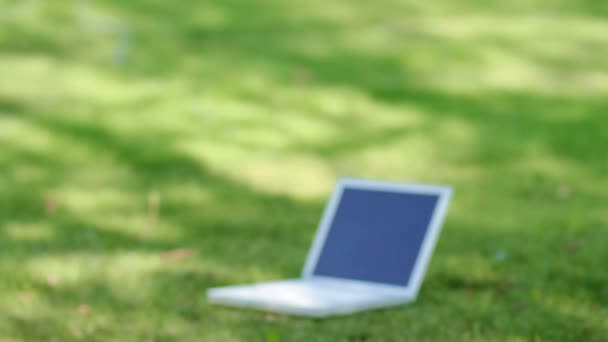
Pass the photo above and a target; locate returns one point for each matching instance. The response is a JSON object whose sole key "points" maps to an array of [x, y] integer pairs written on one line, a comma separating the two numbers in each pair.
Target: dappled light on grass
{"points": [[123, 270], [27, 77], [540, 53], [28, 231], [88, 200], [149, 151]]}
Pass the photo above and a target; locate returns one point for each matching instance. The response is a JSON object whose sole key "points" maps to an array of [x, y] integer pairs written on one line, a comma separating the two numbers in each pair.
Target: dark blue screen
{"points": [[376, 235]]}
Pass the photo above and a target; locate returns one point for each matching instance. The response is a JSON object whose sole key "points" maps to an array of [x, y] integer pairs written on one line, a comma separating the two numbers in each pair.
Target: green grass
{"points": [[235, 118]]}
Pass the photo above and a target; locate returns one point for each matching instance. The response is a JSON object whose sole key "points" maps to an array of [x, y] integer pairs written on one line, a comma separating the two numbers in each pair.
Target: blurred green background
{"points": [[152, 149]]}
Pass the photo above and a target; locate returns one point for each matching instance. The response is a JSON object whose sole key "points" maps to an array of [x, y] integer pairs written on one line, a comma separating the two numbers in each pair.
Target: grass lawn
{"points": [[152, 149]]}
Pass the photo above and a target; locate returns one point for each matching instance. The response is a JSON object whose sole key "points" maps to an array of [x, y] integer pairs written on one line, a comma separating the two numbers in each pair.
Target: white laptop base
{"points": [[312, 296]]}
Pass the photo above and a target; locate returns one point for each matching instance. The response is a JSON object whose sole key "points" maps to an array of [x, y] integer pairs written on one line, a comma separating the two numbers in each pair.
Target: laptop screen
{"points": [[376, 236]]}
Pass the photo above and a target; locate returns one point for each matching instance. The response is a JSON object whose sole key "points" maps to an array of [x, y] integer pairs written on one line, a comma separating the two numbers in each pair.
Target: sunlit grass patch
{"points": [[28, 231]]}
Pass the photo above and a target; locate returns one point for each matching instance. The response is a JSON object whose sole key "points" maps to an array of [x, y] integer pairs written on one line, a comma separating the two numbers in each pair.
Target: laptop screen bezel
{"points": [[443, 194]]}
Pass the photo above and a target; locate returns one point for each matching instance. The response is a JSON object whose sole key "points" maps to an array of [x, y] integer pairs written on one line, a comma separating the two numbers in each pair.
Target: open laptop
{"points": [[371, 250]]}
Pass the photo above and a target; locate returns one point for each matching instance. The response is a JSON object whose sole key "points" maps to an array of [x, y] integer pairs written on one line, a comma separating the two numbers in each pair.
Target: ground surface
{"points": [[152, 149]]}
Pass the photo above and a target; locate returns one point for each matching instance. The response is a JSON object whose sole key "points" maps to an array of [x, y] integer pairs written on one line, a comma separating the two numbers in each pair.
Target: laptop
{"points": [[371, 250]]}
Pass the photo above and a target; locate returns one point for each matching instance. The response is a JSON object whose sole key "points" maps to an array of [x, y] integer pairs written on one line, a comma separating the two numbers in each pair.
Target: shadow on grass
{"points": [[213, 228]]}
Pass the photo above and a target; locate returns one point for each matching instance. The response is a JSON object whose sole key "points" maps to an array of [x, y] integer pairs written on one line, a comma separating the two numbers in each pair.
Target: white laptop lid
{"points": [[379, 232]]}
